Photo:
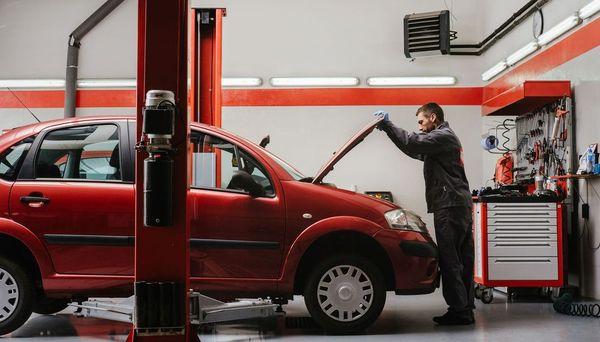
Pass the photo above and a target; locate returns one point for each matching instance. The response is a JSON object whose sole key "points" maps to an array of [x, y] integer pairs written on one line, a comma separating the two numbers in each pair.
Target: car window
{"points": [[12, 158], [88, 152], [216, 161]]}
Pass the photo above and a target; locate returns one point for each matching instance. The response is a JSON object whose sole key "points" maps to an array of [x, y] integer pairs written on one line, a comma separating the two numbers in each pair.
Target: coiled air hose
{"points": [[564, 304]]}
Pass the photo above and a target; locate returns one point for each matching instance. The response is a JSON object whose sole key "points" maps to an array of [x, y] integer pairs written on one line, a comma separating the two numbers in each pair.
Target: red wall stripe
{"points": [[352, 96], [56, 98], [261, 97]]}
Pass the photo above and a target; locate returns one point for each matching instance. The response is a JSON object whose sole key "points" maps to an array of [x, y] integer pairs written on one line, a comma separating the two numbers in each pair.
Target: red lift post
{"points": [[162, 253]]}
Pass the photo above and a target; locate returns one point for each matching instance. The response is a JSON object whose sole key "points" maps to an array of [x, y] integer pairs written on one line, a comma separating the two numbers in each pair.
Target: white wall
{"points": [[34, 36], [263, 38], [306, 137]]}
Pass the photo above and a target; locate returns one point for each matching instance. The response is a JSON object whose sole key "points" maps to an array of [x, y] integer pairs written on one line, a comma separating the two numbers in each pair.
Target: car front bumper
{"points": [[414, 258]]}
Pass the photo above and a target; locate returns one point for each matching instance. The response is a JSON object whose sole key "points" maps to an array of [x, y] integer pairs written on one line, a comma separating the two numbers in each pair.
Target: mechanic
{"points": [[449, 199]]}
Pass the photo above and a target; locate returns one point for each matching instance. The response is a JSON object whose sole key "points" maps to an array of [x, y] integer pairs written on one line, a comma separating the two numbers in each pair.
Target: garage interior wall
{"points": [[271, 38], [582, 71]]}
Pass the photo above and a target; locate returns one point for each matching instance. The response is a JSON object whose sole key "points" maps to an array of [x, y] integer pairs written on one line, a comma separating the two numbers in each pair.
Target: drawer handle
{"points": [[520, 237], [522, 260], [522, 245], [520, 214], [506, 221], [520, 229]]}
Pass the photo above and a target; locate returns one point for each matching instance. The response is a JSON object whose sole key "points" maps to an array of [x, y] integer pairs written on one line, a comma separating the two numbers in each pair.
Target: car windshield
{"points": [[297, 175], [287, 167]]}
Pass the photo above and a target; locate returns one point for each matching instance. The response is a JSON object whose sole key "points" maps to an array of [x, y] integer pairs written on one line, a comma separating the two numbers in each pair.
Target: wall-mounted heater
{"points": [[427, 34]]}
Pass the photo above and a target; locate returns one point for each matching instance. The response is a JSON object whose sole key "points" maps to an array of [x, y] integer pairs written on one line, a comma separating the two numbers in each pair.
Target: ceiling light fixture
{"points": [[493, 71], [589, 9], [411, 80], [558, 30], [314, 81], [32, 84], [107, 83], [241, 82], [523, 52]]}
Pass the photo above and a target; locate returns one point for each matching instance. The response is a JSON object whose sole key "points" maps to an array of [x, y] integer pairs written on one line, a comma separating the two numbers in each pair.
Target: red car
{"points": [[67, 226]]}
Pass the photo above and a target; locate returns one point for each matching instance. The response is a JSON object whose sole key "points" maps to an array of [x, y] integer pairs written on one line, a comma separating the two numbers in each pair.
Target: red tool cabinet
{"points": [[518, 244]]}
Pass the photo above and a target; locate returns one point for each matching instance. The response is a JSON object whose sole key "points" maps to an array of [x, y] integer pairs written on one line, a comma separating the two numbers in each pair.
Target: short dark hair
{"points": [[432, 108]]}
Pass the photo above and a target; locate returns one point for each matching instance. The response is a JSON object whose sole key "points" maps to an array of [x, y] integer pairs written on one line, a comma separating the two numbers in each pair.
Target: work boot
{"points": [[453, 318]]}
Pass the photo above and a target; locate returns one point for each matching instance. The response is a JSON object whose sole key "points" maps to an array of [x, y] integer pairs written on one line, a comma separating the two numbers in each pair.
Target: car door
{"points": [[72, 194], [234, 235]]}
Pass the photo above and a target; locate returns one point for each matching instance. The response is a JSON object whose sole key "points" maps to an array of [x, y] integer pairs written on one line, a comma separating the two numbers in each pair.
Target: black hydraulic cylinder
{"points": [[158, 190]]}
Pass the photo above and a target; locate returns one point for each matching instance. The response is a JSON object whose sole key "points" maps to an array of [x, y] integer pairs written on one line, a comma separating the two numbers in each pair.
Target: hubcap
{"points": [[9, 295], [345, 293]]}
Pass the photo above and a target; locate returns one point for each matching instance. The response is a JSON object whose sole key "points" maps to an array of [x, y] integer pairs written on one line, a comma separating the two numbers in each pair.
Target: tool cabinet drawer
{"points": [[523, 249], [523, 268], [529, 214], [521, 237], [523, 229], [519, 221], [521, 206]]}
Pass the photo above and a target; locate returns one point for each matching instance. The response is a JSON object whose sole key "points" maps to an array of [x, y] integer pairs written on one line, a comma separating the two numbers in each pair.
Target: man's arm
{"points": [[413, 144]]}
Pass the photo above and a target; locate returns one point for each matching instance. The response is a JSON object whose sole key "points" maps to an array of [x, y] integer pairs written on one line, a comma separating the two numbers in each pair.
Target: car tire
{"points": [[49, 306], [16, 295], [345, 294]]}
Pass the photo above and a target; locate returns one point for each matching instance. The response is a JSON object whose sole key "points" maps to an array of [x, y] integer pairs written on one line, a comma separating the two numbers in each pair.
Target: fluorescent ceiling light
{"points": [[241, 82], [32, 83], [408, 81], [493, 71], [107, 83], [522, 53], [589, 9], [558, 30], [313, 81]]}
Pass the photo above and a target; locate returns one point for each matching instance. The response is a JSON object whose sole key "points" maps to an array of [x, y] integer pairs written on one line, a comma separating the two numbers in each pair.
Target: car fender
{"points": [[31, 242], [312, 234]]}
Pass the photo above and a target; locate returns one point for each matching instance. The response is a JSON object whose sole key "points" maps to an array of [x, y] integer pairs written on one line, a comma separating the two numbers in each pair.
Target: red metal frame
{"points": [[209, 42], [521, 283]]}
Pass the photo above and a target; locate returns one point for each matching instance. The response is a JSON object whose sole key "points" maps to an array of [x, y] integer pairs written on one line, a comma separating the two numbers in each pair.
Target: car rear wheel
{"points": [[345, 294], [16, 295]]}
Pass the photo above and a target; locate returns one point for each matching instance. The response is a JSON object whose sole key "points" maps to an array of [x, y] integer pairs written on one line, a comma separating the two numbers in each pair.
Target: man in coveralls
{"points": [[449, 199]]}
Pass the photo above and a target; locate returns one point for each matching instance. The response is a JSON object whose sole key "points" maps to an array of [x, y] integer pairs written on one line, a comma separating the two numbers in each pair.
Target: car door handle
{"points": [[35, 201]]}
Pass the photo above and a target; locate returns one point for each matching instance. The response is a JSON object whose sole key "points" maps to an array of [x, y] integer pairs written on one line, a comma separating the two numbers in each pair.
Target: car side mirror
{"points": [[242, 180]]}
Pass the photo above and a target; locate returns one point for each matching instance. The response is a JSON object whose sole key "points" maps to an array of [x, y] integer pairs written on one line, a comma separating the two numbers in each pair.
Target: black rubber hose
{"points": [[564, 305]]}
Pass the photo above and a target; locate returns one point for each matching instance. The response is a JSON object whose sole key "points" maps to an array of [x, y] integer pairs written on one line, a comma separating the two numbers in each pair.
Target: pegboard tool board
{"points": [[543, 148]]}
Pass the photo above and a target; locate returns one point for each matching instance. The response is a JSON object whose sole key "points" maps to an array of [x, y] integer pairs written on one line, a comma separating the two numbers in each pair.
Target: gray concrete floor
{"points": [[406, 318]]}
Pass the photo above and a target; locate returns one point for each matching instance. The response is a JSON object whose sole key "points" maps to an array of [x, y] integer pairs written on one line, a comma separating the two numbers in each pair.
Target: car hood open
{"points": [[349, 145]]}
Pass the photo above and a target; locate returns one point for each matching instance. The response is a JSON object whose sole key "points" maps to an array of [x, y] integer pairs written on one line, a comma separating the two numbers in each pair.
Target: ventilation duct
{"points": [[427, 34]]}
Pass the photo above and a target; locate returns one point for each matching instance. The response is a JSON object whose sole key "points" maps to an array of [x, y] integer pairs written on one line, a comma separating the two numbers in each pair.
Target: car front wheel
{"points": [[345, 294], [16, 295]]}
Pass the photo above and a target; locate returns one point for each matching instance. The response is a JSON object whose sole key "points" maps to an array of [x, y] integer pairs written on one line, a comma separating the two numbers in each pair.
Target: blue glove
{"points": [[381, 114]]}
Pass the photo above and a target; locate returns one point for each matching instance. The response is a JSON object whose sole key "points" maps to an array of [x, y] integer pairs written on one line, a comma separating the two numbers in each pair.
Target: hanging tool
{"points": [[560, 113]]}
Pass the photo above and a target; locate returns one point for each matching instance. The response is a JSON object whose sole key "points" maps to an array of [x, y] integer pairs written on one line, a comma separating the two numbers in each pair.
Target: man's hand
{"points": [[383, 115]]}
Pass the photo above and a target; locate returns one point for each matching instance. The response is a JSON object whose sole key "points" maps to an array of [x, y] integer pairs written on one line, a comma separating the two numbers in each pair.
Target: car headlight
{"points": [[405, 219]]}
